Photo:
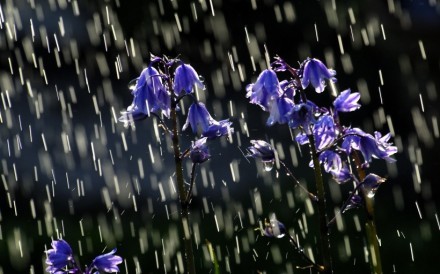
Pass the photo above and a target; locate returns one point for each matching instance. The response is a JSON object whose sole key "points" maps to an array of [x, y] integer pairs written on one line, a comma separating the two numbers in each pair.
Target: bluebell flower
{"points": [[265, 90], [302, 116], [59, 257], [279, 110], [347, 101], [199, 151], [325, 131], [333, 164], [149, 96], [315, 72], [274, 228], [368, 145], [371, 183], [185, 78], [262, 150], [218, 129], [107, 262], [288, 89], [199, 118]]}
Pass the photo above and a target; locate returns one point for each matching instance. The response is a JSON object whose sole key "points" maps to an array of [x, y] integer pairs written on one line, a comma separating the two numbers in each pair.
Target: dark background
{"points": [[49, 131]]}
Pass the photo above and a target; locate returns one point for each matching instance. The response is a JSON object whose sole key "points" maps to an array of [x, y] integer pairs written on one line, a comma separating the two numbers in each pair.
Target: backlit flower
{"points": [[199, 118], [265, 89], [315, 72], [199, 151], [279, 111], [262, 150], [347, 101], [218, 129], [185, 78], [107, 262], [59, 256]]}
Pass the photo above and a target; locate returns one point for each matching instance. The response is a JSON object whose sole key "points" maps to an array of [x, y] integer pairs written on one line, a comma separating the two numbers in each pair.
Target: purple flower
{"points": [[333, 164], [199, 118], [218, 129], [149, 96], [315, 72], [371, 183], [185, 78], [199, 151], [107, 262], [265, 89], [325, 131], [347, 102], [356, 201], [288, 89], [302, 115], [274, 228], [261, 149], [279, 111], [59, 257], [369, 146]]}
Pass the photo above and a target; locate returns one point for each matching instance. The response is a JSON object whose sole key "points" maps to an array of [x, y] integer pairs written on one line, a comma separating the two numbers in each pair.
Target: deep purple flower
{"points": [[274, 228], [261, 149], [218, 129], [265, 89], [185, 78], [333, 164], [199, 151], [107, 262], [302, 115], [288, 89], [59, 257], [279, 110], [347, 101], [356, 201], [199, 118], [371, 183], [149, 96], [325, 131], [369, 146], [315, 72]]}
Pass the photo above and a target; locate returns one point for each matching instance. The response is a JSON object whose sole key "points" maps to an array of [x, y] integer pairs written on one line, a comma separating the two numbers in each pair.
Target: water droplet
{"points": [[268, 165], [371, 193]]}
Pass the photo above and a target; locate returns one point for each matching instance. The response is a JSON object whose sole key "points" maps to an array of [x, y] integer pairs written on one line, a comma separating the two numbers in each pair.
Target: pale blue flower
{"points": [[347, 101], [185, 78], [315, 72], [265, 90]]}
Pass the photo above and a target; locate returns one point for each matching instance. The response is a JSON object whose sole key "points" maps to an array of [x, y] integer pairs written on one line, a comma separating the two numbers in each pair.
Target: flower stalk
{"points": [[323, 227]]}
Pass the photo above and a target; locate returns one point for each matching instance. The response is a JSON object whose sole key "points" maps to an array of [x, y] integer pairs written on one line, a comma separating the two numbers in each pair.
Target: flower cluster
{"points": [[158, 90], [60, 260], [287, 103]]}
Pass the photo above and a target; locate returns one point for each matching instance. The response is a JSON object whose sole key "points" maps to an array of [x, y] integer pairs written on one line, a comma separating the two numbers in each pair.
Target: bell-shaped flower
{"points": [[185, 77], [302, 116], [199, 118], [288, 89], [355, 201], [279, 110], [265, 90], [371, 183], [369, 146], [261, 150], [315, 72], [107, 262], [218, 129], [333, 164], [149, 95], [347, 101], [59, 257], [325, 131], [199, 151]]}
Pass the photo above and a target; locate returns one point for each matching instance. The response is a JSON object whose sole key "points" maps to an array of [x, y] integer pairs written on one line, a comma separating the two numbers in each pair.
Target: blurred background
{"points": [[69, 169]]}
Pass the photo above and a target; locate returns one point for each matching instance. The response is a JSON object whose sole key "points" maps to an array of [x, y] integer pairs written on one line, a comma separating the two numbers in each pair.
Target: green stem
{"points": [[184, 206], [370, 225], [323, 220]]}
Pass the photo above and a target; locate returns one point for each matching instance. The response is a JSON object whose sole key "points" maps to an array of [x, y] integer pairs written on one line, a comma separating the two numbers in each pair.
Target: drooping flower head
{"points": [[185, 78], [59, 257], [302, 116], [371, 183], [107, 262], [315, 72], [262, 150], [265, 90], [199, 151], [218, 129], [333, 164], [198, 118], [149, 95], [347, 101], [279, 110], [325, 131]]}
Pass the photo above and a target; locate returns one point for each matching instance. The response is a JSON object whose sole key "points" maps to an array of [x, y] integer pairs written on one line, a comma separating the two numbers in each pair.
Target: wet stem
{"points": [[370, 225], [184, 206], [323, 227]]}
